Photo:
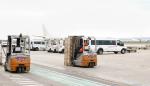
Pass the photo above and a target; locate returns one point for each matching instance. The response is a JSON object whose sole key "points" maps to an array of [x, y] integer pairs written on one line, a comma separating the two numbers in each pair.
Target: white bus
{"points": [[37, 45], [105, 45]]}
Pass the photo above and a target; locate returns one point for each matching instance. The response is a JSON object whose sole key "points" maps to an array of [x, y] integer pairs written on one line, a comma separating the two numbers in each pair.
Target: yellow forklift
{"points": [[18, 54], [78, 51]]}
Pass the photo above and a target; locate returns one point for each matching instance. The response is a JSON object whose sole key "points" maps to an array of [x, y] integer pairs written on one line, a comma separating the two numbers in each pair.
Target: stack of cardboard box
{"points": [[0, 56], [69, 51]]}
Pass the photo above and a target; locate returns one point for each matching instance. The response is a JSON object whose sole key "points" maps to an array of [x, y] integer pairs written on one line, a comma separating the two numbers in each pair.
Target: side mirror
{"points": [[118, 44]]}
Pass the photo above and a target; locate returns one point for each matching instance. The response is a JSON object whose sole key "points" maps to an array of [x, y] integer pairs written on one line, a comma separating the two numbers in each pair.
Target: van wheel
{"points": [[100, 51], [116, 52], [49, 50], [36, 49], [123, 51], [62, 51], [54, 51]]}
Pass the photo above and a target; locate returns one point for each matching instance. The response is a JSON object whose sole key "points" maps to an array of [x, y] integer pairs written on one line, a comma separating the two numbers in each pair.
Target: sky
{"points": [[100, 18]]}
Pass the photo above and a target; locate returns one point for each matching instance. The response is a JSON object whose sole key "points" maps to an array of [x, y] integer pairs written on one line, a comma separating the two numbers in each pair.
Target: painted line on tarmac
{"points": [[51, 66], [66, 79], [22, 81]]}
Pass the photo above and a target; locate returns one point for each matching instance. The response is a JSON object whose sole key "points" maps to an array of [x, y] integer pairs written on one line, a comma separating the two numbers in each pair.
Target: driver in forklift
{"points": [[84, 47], [80, 49]]}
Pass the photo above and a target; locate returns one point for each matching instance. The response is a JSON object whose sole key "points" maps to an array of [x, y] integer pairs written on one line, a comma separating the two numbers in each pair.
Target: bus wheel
{"points": [[100, 51], [123, 51]]}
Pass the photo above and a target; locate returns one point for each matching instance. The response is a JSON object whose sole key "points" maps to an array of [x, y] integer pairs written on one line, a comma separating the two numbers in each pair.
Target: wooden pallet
{"points": [[131, 49]]}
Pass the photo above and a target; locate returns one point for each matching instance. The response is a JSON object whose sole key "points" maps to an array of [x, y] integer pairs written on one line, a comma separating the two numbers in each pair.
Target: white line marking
{"points": [[23, 81]]}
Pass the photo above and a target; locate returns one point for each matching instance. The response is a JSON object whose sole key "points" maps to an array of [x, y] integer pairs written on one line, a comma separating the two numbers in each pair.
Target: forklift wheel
{"points": [[5, 68], [73, 64], [27, 71], [91, 65], [20, 70]]}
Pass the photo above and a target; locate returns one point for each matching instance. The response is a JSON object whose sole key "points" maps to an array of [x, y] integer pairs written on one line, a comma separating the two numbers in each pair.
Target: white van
{"points": [[4, 43], [37, 45], [61, 47], [52, 46], [105, 45], [56, 46]]}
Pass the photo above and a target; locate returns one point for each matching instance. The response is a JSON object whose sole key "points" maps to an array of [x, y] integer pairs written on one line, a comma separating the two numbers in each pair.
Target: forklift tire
{"points": [[26, 71], [19, 70], [5, 68], [22, 70], [73, 64], [91, 65]]}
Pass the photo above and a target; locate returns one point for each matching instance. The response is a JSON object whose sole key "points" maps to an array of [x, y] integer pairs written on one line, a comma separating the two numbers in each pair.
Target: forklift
{"points": [[17, 54], [78, 51]]}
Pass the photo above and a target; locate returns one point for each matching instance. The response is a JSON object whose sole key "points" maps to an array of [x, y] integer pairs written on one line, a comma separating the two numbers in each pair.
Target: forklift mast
{"points": [[15, 41], [18, 53], [9, 46]]}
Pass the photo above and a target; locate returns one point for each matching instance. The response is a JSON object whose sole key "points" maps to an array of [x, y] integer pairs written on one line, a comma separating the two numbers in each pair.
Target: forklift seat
{"points": [[17, 50]]}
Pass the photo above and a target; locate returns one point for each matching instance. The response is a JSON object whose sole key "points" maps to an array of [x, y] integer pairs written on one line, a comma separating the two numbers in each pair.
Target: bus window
{"points": [[106, 42], [37, 42], [93, 42], [103, 42], [100, 42], [113, 42]]}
